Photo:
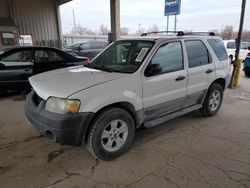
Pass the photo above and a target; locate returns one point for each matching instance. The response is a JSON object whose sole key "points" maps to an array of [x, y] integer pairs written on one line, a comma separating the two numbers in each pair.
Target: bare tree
{"points": [[246, 35], [80, 30], [140, 30], [103, 29], [153, 28], [124, 31], [227, 32]]}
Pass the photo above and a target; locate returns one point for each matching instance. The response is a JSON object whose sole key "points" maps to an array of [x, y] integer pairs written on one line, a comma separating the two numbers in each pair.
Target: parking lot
{"points": [[190, 151]]}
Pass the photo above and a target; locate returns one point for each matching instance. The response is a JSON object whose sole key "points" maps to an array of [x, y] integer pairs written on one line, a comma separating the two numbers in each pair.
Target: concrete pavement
{"points": [[191, 151]]}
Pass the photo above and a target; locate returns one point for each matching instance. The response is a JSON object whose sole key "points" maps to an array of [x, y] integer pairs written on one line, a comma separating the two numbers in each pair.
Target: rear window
{"points": [[218, 48]]}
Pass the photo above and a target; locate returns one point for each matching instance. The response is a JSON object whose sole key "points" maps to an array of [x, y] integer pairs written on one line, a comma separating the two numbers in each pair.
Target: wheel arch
{"points": [[123, 105], [220, 81]]}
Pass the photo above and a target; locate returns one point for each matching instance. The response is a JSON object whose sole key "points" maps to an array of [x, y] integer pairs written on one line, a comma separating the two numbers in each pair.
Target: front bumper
{"points": [[67, 129]]}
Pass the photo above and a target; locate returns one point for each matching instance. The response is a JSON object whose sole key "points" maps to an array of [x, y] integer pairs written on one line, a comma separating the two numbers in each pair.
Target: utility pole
{"points": [[167, 22], [175, 21], [74, 20], [238, 41]]}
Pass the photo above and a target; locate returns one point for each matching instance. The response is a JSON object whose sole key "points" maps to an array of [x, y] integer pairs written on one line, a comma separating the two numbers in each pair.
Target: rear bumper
{"points": [[67, 129]]}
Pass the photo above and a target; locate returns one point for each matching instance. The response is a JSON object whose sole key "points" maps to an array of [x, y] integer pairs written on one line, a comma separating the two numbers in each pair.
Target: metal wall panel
{"points": [[4, 8], [38, 18]]}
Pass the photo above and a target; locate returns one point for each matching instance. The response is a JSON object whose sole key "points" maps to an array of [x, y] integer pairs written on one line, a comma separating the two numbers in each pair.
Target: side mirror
{"points": [[153, 69], [80, 48]]}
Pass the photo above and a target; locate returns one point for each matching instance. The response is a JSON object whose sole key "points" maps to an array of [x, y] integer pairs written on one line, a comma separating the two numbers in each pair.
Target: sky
{"points": [[196, 15]]}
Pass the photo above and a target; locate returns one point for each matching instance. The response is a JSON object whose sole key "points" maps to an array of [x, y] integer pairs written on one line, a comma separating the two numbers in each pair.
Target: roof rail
{"points": [[200, 33], [180, 33]]}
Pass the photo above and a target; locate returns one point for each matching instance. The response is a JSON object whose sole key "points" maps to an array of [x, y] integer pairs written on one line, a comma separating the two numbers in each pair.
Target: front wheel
{"points": [[111, 134], [213, 100]]}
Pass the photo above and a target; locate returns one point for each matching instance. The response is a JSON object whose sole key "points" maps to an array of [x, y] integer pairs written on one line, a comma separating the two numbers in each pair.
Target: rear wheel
{"points": [[111, 134], [247, 73], [213, 100]]}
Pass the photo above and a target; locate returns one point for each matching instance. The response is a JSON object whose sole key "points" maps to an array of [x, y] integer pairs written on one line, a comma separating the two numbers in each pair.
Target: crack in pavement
{"points": [[8, 145], [54, 154], [68, 176], [217, 167], [94, 166]]}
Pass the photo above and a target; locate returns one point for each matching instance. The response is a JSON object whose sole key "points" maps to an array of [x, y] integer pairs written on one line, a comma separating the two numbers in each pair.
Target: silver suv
{"points": [[133, 82]]}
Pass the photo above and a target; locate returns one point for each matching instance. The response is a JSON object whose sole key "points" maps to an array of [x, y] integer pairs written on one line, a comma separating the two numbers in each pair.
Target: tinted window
{"points": [[219, 49], [197, 53], [169, 56], [96, 45], [42, 56], [24, 57]]}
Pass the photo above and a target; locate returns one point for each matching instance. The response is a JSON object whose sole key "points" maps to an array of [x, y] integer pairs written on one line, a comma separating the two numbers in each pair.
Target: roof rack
{"points": [[180, 33], [200, 33]]}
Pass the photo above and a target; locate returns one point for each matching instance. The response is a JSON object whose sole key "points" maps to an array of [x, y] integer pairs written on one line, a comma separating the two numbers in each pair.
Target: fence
{"points": [[70, 39]]}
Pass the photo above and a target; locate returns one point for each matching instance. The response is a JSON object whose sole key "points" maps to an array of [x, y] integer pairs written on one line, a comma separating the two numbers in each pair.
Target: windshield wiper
{"points": [[102, 67]]}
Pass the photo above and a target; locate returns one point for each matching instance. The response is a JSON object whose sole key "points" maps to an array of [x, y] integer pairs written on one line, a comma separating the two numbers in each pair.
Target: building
{"points": [[39, 19]]}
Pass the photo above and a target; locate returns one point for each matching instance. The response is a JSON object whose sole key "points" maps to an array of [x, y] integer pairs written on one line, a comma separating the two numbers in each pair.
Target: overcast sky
{"points": [[196, 15]]}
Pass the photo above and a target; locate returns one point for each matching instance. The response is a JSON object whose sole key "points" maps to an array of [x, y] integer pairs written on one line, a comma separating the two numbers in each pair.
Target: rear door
{"points": [[165, 93], [201, 71], [15, 69], [47, 59]]}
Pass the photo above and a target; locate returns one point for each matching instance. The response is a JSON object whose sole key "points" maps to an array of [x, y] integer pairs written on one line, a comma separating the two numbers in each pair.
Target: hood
{"points": [[64, 82]]}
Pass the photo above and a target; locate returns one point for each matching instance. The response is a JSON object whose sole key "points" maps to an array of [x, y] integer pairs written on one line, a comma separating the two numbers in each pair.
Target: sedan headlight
{"points": [[62, 106]]}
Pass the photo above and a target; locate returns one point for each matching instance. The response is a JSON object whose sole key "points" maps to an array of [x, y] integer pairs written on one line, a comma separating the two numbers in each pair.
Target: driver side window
{"points": [[169, 56]]}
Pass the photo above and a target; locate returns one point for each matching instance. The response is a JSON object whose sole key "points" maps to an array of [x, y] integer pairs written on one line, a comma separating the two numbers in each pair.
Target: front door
{"points": [[165, 92], [15, 69]]}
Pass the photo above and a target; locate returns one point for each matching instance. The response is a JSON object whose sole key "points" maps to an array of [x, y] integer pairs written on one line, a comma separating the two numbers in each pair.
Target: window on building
{"points": [[8, 38]]}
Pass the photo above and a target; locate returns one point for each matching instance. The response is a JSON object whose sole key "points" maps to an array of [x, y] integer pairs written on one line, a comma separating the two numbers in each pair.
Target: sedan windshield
{"points": [[232, 45], [122, 56], [73, 46]]}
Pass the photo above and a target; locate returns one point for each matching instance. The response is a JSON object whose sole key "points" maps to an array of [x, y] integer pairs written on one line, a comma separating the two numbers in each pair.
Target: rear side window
{"points": [[44, 56], [219, 49], [197, 53]]}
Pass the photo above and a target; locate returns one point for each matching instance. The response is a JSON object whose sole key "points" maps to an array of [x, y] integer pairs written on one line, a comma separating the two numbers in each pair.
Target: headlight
{"points": [[62, 106]]}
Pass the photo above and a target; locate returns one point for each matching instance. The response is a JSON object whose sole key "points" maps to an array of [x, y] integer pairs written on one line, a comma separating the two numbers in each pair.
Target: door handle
{"points": [[209, 71], [179, 78]]}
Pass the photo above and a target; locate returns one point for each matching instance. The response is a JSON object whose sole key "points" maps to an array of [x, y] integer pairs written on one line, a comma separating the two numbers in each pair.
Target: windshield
{"points": [[122, 56], [232, 45], [73, 46]]}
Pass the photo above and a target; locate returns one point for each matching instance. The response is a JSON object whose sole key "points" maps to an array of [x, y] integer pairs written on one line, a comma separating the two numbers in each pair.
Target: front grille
{"points": [[36, 99]]}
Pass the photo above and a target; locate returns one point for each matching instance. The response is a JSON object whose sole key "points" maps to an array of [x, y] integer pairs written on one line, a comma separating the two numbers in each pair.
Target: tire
{"points": [[247, 73], [111, 134], [213, 100]]}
